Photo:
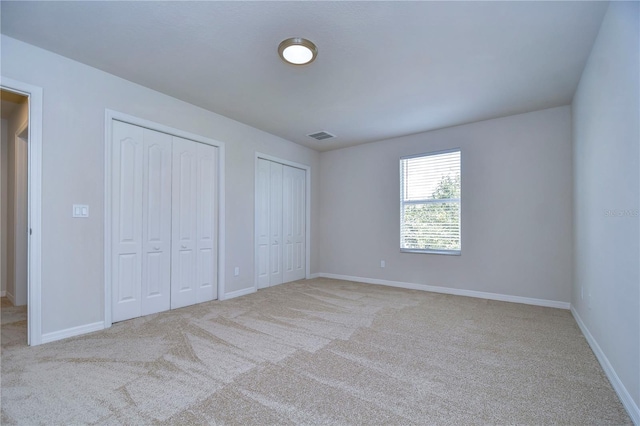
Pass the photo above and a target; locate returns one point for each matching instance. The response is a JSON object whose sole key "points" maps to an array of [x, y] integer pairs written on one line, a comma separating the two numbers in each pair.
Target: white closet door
{"points": [[194, 254], [275, 224], [262, 222], [280, 223], [294, 188], [164, 222], [207, 223], [184, 223], [126, 236], [156, 222]]}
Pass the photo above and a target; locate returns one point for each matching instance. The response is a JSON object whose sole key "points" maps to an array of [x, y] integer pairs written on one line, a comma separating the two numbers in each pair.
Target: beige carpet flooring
{"points": [[315, 352], [13, 320]]}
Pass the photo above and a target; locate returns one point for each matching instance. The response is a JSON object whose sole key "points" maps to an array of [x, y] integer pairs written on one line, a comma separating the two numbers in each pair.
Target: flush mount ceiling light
{"points": [[297, 51]]}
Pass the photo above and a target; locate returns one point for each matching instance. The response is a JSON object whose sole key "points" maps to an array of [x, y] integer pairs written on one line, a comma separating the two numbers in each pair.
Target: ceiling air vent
{"points": [[320, 136]]}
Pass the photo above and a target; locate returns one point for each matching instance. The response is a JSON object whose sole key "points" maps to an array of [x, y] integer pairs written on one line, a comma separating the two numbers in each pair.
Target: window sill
{"points": [[445, 252]]}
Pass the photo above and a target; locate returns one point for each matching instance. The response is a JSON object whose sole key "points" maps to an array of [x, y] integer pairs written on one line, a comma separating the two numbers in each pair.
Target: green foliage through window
{"points": [[431, 223]]}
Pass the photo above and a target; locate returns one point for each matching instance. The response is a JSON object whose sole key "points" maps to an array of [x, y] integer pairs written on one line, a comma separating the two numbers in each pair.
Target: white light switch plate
{"points": [[80, 210]]}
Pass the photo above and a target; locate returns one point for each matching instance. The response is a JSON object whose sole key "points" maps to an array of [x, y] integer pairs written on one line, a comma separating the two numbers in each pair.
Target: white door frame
{"points": [[111, 115], [307, 207], [34, 219]]}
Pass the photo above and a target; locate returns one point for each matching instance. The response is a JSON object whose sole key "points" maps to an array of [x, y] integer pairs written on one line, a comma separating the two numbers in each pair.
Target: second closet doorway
{"points": [[281, 223]]}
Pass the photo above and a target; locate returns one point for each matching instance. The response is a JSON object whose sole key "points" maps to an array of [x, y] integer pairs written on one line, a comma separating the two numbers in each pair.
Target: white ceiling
{"points": [[384, 69]]}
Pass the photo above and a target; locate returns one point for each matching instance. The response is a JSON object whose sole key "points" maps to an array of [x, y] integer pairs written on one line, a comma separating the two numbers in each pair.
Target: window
{"points": [[430, 203]]}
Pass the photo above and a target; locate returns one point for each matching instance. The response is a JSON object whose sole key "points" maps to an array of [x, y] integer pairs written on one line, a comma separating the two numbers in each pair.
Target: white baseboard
{"points": [[621, 390], [11, 297], [312, 276], [239, 293], [454, 291], [3, 293], [72, 332]]}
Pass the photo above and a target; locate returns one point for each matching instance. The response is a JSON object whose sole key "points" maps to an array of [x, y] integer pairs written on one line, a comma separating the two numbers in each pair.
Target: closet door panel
{"points": [[275, 223], [207, 223], [126, 226], [184, 223], [262, 222], [156, 219], [280, 214], [287, 221], [294, 188], [299, 228]]}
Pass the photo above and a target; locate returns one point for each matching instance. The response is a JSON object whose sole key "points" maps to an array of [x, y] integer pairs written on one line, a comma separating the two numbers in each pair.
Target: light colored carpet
{"points": [[14, 324], [317, 352]]}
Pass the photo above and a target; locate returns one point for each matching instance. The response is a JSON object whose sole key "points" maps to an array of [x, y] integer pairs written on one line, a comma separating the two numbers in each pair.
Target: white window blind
{"points": [[430, 193]]}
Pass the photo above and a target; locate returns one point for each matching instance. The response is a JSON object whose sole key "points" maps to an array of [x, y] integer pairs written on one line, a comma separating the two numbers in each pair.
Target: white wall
{"points": [[606, 139], [4, 176], [75, 98], [516, 208]]}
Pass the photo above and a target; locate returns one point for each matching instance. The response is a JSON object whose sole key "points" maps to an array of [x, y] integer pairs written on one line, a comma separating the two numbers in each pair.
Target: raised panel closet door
{"points": [[184, 223], [294, 189], [156, 223], [207, 223], [275, 224], [126, 226], [262, 222]]}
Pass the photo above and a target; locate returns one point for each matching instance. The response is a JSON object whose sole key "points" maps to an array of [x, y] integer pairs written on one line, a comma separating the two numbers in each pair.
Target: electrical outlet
{"points": [[80, 210]]}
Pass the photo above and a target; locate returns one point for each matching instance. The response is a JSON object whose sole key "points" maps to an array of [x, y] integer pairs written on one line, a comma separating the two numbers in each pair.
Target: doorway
{"points": [[13, 229], [20, 207]]}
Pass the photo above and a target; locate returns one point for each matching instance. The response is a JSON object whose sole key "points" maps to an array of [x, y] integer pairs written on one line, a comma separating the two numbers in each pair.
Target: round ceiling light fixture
{"points": [[297, 51]]}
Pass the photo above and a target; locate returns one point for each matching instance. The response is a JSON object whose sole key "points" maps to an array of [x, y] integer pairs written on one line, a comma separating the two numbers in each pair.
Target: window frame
{"points": [[403, 203]]}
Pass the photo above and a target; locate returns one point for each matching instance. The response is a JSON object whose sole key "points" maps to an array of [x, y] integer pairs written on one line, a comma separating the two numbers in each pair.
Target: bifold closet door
{"points": [[280, 222], [269, 211], [275, 223], [293, 207], [194, 223], [141, 221], [263, 183], [156, 222], [164, 222]]}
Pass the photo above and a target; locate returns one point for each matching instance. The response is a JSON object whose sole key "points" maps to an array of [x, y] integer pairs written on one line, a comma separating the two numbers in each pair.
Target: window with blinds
{"points": [[430, 203]]}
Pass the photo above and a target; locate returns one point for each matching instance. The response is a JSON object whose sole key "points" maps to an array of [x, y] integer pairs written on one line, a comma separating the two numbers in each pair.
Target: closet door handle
{"points": [[156, 248], [183, 246]]}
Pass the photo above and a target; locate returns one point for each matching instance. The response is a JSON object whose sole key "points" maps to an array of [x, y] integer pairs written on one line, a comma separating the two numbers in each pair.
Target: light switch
{"points": [[80, 210], [236, 271]]}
